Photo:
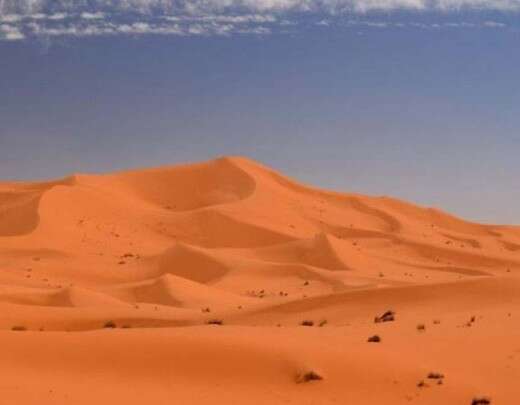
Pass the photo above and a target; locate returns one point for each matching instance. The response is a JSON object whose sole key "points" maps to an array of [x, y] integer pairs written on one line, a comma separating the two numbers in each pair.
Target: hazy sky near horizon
{"points": [[415, 99]]}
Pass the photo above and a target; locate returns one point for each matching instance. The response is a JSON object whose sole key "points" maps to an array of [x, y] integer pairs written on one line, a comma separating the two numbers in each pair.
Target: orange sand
{"points": [[158, 253]]}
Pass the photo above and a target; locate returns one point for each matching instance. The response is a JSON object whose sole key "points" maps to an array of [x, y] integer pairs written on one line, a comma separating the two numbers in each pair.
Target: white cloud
{"points": [[92, 16], [324, 23], [262, 6], [425, 26], [240, 19], [10, 18], [255, 31], [106, 28], [494, 24], [57, 16], [10, 33], [497, 5], [81, 18], [372, 24], [222, 18], [460, 25], [37, 16]]}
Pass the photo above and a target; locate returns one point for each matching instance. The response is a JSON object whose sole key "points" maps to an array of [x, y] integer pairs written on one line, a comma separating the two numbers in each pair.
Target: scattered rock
{"points": [[374, 339], [421, 327], [307, 323], [19, 328], [323, 323], [435, 376]]}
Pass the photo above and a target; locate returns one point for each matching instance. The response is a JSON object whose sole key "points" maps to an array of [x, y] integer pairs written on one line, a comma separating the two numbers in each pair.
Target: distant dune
{"points": [[190, 284]]}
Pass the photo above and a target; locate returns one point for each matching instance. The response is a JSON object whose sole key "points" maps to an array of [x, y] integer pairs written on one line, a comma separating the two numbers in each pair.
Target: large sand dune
{"points": [[110, 281]]}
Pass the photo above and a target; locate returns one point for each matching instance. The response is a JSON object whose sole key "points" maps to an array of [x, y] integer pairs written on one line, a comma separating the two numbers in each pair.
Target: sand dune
{"points": [[189, 284]]}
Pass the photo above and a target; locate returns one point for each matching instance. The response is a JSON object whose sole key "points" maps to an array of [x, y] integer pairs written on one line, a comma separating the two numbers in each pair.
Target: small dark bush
{"points": [[481, 401], [388, 316], [110, 325], [308, 377], [19, 328], [215, 322], [374, 339], [307, 323]]}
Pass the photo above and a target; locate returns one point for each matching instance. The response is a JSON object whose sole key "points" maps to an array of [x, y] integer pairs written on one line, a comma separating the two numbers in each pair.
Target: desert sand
{"points": [[227, 283]]}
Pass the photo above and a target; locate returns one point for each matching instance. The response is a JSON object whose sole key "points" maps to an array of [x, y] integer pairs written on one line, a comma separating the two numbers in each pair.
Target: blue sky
{"points": [[410, 98]]}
